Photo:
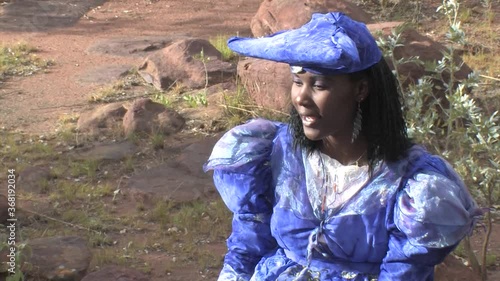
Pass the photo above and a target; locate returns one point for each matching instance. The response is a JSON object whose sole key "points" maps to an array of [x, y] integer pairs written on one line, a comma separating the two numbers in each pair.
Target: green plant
{"points": [[200, 98], [88, 168], [220, 43], [19, 60], [203, 59], [160, 97], [460, 131], [157, 140], [16, 274], [160, 212], [238, 108], [109, 93], [196, 100]]}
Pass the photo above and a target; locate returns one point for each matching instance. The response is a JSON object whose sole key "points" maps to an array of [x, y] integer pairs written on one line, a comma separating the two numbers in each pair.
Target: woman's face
{"points": [[327, 105]]}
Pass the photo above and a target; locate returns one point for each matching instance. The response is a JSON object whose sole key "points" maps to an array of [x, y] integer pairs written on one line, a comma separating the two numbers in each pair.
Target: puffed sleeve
{"points": [[242, 176], [432, 213]]}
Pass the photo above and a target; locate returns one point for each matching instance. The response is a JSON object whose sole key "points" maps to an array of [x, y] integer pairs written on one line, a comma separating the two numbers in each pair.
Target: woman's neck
{"points": [[342, 150]]}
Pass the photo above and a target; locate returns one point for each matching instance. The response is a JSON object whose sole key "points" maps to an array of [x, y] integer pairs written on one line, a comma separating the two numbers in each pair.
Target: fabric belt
{"points": [[339, 266]]}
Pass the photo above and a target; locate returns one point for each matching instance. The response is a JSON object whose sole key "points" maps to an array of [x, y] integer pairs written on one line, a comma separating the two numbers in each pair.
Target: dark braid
{"points": [[297, 132]]}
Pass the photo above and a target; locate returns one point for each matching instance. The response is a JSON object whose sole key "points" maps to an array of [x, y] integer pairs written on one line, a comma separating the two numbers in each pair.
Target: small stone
{"points": [[173, 229]]}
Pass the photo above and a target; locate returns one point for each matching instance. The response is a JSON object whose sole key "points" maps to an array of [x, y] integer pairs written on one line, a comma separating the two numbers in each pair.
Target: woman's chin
{"points": [[312, 134]]}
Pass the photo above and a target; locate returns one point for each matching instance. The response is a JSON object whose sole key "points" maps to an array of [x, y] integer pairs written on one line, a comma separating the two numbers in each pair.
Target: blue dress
{"points": [[398, 226]]}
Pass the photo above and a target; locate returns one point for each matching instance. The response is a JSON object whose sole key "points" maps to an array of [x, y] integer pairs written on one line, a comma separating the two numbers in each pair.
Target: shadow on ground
{"points": [[43, 15]]}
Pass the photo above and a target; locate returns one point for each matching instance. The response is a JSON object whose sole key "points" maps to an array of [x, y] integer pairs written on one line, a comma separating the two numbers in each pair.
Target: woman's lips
{"points": [[309, 120]]}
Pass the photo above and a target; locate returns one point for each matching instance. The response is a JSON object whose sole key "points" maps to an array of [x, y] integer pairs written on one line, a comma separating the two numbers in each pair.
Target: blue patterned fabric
{"points": [[405, 220], [329, 43]]}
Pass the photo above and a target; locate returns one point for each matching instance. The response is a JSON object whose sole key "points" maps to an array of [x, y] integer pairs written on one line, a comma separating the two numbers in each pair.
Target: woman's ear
{"points": [[362, 90]]}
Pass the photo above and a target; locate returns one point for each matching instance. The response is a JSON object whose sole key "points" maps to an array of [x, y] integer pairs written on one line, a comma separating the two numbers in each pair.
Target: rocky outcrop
{"points": [[31, 179], [146, 116], [179, 180], [276, 15], [102, 117], [194, 63]]}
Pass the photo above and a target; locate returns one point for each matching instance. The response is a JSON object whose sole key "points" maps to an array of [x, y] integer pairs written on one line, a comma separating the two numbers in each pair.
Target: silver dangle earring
{"points": [[356, 128]]}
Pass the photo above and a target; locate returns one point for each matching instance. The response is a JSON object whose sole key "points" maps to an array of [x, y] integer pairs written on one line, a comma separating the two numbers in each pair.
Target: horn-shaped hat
{"points": [[328, 44]]}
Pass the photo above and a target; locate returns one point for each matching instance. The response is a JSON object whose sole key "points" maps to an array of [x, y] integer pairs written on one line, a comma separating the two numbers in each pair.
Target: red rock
{"points": [[146, 116], [276, 15], [182, 63], [100, 118]]}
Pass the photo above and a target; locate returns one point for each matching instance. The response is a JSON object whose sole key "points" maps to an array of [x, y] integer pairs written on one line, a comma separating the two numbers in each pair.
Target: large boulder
{"points": [[194, 63], [31, 179], [103, 117], [276, 15], [268, 83], [180, 179], [136, 46], [57, 258], [146, 116]]}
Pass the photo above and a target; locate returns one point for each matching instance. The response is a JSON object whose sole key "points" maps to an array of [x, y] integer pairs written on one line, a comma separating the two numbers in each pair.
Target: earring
{"points": [[356, 128]]}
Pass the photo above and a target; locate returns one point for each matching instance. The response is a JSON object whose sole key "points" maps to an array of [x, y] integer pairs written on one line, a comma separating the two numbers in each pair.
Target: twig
{"points": [[59, 106], [489, 77], [238, 108], [270, 109], [61, 221], [254, 106]]}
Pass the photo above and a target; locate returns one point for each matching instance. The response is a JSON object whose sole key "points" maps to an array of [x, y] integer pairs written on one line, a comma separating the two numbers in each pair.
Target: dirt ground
{"points": [[63, 30], [34, 103]]}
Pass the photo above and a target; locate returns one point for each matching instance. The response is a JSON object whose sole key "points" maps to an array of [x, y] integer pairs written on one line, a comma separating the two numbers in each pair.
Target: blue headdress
{"points": [[328, 44]]}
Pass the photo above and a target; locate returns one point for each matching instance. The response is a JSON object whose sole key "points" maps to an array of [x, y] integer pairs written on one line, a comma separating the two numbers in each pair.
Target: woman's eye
{"points": [[297, 82], [319, 86]]}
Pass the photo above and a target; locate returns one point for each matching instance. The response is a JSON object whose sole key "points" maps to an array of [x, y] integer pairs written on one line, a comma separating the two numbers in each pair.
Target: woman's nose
{"points": [[303, 96]]}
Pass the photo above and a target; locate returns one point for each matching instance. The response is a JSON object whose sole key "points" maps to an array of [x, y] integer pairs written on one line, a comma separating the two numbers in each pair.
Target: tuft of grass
{"points": [[128, 164], [195, 100], [238, 108], [220, 43], [160, 97], [86, 168], [109, 93], [233, 104], [20, 60], [160, 213], [120, 90], [24, 149], [157, 140], [76, 216], [465, 15], [106, 256]]}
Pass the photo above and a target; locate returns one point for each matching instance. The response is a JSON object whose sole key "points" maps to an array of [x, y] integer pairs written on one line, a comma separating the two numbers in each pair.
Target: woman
{"points": [[339, 193]]}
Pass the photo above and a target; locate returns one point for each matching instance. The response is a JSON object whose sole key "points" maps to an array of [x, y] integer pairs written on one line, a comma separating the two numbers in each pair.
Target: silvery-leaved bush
{"points": [[461, 131]]}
